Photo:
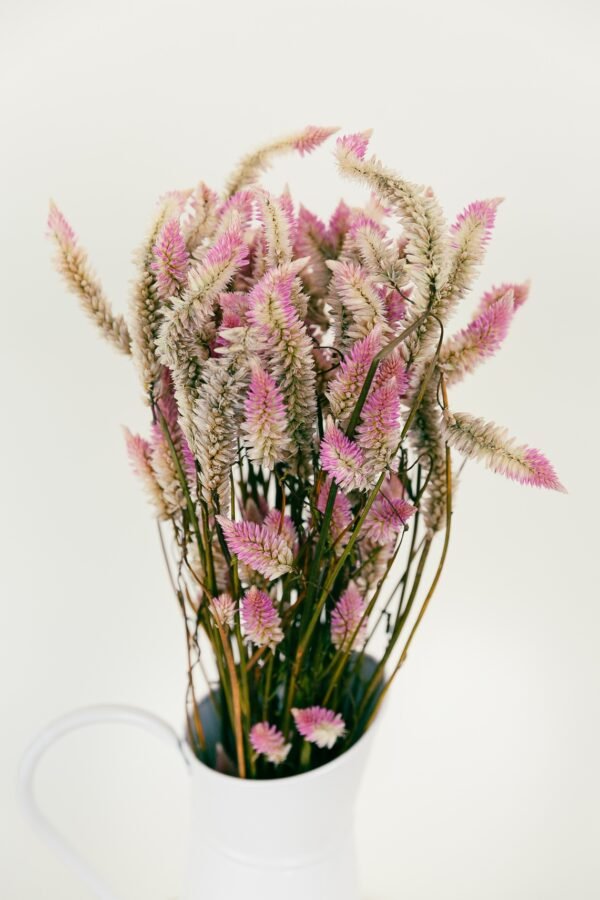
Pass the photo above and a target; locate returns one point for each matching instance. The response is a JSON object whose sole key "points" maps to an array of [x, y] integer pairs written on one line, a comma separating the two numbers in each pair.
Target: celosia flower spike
{"points": [[171, 260], [140, 456], [389, 513], [72, 263], [341, 517], [261, 623], [475, 438], [520, 294], [268, 741], [265, 426], [261, 548], [344, 389], [346, 617], [318, 725], [479, 340], [343, 459], [379, 431], [222, 608], [357, 305]]}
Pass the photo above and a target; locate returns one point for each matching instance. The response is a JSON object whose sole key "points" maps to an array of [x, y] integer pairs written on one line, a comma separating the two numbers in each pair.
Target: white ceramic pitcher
{"points": [[283, 839]]}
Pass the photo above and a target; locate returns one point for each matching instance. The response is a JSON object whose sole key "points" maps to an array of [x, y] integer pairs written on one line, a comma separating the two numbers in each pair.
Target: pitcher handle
{"points": [[92, 715]]}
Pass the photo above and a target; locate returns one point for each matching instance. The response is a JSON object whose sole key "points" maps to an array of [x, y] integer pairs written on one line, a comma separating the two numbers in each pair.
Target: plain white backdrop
{"points": [[484, 780]]}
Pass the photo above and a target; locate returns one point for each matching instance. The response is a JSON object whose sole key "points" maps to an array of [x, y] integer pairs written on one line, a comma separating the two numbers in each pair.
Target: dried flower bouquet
{"points": [[297, 375]]}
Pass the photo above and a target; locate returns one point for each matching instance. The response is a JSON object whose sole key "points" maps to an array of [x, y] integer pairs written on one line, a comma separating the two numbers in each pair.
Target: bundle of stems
{"points": [[299, 461]]}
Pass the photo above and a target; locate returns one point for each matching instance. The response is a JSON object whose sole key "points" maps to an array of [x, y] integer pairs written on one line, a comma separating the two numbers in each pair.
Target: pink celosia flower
{"points": [[379, 431], [320, 726], [346, 619], [312, 243], [338, 226], [222, 608], [261, 622], [311, 138], [267, 740], [355, 144], [479, 217], [341, 516], [171, 260], [236, 212], [490, 443], [262, 549], [395, 305], [362, 304], [520, 295], [60, 229], [346, 385], [393, 367], [266, 425], [140, 457], [343, 459], [480, 339], [286, 529], [389, 513]]}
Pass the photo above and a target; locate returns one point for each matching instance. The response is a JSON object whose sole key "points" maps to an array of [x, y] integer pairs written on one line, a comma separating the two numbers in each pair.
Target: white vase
{"points": [[283, 839]]}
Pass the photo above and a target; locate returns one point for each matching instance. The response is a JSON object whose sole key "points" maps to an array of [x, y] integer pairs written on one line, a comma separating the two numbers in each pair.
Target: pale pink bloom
{"points": [[479, 340], [379, 431], [355, 144], [393, 367], [60, 229], [346, 618], [266, 425], [140, 456], [341, 516], [267, 740], [171, 260], [311, 138], [236, 212], [347, 383], [395, 305], [278, 224], [261, 622], [318, 725], [222, 608], [285, 528], [478, 217], [311, 242], [343, 459], [262, 549], [520, 295], [490, 443], [338, 226], [359, 298], [389, 513]]}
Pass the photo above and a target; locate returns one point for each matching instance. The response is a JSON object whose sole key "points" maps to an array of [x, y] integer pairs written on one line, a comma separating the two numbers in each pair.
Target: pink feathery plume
{"points": [[222, 608], [265, 425], [312, 137], [262, 549], [520, 295], [60, 229], [140, 457], [261, 622], [353, 144], [490, 443], [361, 222], [346, 618], [379, 431], [393, 367], [318, 725], [236, 211], [283, 526], [311, 241], [268, 741], [270, 300], [171, 260], [479, 217], [465, 350], [230, 248], [395, 304], [341, 516], [343, 459], [338, 226], [389, 513], [346, 385], [359, 296]]}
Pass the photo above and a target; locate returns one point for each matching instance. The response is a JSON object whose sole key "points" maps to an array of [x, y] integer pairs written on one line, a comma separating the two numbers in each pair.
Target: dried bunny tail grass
{"points": [[72, 264], [417, 209], [463, 352], [489, 443], [254, 164]]}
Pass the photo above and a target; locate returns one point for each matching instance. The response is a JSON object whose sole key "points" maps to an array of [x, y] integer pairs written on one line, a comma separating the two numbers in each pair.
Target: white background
{"points": [[483, 784]]}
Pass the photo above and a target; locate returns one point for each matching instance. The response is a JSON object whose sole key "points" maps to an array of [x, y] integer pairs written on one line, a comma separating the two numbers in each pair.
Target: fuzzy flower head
{"points": [[171, 260], [260, 547], [389, 513], [379, 431], [346, 385], [261, 622], [353, 144], [311, 138], [343, 459], [520, 293], [318, 725], [268, 741], [265, 425], [346, 620], [222, 609]]}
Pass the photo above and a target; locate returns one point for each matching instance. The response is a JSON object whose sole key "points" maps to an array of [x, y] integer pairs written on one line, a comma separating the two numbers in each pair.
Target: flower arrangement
{"points": [[297, 376]]}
